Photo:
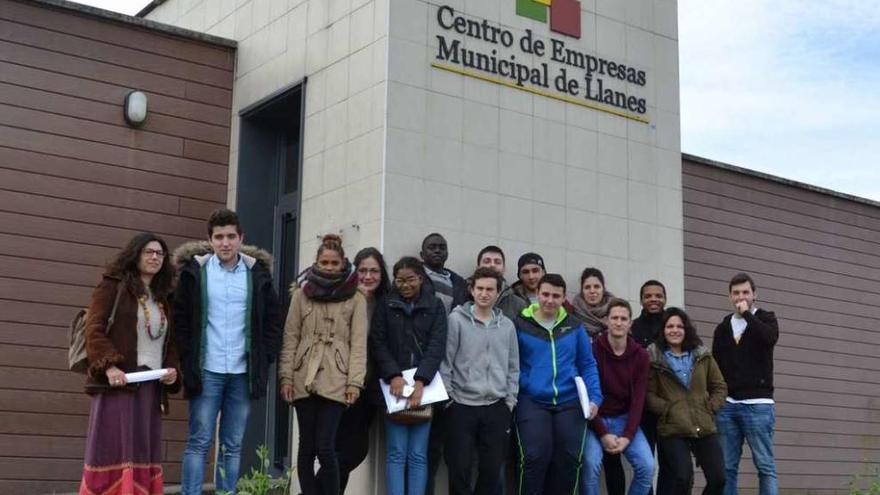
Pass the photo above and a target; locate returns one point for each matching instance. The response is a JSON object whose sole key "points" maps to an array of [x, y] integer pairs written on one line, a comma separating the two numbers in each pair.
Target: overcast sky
{"points": [[787, 87]]}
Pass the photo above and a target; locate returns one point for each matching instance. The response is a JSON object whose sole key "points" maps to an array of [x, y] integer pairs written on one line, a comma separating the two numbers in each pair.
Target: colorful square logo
{"points": [[565, 15]]}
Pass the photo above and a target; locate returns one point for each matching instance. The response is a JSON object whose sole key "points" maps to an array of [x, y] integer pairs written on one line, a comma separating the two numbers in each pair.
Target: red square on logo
{"points": [[565, 17]]}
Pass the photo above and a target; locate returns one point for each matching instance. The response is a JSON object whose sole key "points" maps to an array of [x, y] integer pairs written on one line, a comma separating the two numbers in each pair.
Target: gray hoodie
{"points": [[481, 365]]}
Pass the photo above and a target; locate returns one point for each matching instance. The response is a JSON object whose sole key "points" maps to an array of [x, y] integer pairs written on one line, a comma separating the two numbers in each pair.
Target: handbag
{"points": [[414, 416], [77, 359]]}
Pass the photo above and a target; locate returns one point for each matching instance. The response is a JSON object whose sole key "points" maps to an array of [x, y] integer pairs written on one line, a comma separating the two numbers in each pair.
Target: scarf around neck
{"points": [[590, 315], [329, 287]]}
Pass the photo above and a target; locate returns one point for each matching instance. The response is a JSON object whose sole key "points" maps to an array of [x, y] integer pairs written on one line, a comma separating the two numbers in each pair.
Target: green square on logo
{"points": [[532, 10]]}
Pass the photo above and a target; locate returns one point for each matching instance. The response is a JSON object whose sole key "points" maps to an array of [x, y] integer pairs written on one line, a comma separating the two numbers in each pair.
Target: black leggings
{"points": [[675, 452], [353, 438], [318, 420]]}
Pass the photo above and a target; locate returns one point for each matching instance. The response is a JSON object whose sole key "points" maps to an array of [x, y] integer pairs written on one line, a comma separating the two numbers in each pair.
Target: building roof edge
{"points": [[138, 21], [781, 180], [149, 8]]}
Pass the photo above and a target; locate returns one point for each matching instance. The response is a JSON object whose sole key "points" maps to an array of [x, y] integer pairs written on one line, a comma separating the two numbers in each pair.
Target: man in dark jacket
{"points": [[452, 290], [449, 286], [647, 326], [743, 347], [228, 327]]}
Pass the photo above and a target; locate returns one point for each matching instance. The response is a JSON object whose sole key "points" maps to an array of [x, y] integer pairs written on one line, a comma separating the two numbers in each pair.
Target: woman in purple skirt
{"points": [[123, 444]]}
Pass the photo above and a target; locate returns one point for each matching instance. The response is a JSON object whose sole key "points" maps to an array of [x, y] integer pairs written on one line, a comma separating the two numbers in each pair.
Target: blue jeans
{"points": [[226, 394], [638, 453], [406, 452], [754, 423]]}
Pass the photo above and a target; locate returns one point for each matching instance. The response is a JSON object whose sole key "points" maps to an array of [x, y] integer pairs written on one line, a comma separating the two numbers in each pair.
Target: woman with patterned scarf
{"points": [[590, 306], [323, 361]]}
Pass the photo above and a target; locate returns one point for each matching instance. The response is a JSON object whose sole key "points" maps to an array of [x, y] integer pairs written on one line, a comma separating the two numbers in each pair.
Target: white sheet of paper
{"points": [[145, 376], [583, 396], [433, 392]]}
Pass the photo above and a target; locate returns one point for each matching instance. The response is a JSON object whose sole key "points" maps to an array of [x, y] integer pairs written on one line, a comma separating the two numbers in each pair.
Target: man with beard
{"points": [[743, 346]]}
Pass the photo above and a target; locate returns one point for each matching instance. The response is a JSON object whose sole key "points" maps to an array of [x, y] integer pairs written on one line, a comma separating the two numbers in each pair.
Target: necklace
{"points": [[163, 325]]}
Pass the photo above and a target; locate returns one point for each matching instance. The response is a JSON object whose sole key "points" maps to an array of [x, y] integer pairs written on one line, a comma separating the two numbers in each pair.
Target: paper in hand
{"points": [[145, 376], [583, 396], [433, 392]]}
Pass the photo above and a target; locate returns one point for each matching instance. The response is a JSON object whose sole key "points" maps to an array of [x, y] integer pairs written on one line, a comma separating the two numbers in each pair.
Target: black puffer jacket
{"points": [[189, 304], [403, 338]]}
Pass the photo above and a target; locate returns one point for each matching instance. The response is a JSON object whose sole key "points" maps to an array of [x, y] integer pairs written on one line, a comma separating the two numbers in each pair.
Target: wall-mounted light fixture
{"points": [[135, 108]]}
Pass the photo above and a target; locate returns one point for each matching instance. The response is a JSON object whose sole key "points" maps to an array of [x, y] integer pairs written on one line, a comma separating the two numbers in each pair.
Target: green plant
{"points": [[866, 482], [259, 481]]}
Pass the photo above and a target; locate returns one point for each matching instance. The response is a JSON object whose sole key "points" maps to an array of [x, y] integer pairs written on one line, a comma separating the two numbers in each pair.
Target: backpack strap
{"points": [[113, 311]]}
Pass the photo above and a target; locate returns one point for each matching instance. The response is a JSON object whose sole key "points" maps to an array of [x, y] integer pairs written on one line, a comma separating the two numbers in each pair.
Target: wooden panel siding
{"points": [[815, 257], [76, 182]]}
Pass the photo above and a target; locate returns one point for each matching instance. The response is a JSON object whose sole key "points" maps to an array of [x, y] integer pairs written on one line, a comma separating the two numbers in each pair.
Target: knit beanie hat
{"points": [[530, 259]]}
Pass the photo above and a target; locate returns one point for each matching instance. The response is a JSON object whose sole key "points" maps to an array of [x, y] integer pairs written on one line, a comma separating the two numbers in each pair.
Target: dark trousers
{"points": [[353, 438], [615, 479], [480, 429], [551, 443], [318, 420], [435, 445], [675, 452]]}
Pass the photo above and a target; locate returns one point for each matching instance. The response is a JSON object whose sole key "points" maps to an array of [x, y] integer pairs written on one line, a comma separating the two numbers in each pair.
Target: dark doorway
{"points": [[268, 202]]}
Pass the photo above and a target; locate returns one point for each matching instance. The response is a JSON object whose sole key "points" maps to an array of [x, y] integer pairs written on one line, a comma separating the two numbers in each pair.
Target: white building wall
{"points": [[487, 164], [341, 46], [400, 149]]}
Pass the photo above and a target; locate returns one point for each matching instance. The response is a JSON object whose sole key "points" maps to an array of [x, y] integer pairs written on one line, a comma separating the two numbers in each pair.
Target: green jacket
{"points": [[685, 412]]}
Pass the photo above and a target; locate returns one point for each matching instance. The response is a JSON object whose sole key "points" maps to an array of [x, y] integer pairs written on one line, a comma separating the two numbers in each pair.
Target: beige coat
{"points": [[325, 346]]}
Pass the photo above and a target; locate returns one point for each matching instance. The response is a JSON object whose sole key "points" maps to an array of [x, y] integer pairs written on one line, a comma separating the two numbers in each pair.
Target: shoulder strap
{"points": [[113, 311]]}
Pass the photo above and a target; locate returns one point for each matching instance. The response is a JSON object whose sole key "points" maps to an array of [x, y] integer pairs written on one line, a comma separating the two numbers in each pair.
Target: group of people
{"points": [[544, 391]]}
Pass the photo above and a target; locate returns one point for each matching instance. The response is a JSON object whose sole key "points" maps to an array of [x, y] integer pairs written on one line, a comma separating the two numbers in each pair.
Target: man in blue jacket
{"points": [[551, 428]]}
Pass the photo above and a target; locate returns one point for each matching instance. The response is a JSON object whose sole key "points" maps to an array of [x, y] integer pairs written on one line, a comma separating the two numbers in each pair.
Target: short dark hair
{"points": [[432, 234], [222, 217], [592, 272], [490, 249], [741, 278], [652, 283], [411, 263], [371, 252], [485, 272], [553, 279], [620, 303], [691, 339]]}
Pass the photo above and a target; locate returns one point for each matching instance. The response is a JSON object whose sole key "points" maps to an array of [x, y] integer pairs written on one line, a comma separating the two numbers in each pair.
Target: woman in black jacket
{"points": [[408, 331]]}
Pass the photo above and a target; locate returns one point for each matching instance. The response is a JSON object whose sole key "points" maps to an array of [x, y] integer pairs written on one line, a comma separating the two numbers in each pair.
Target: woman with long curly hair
{"points": [[123, 444]]}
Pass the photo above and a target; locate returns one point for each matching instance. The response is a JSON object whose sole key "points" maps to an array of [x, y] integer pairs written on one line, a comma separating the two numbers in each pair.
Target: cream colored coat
{"points": [[325, 346]]}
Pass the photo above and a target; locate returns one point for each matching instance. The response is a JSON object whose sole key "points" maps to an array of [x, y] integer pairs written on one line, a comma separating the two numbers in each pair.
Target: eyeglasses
{"points": [[149, 253], [369, 271], [406, 281]]}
